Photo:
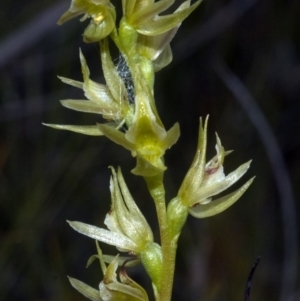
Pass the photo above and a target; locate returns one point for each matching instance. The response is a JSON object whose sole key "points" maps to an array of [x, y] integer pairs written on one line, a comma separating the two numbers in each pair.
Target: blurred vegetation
{"points": [[224, 53]]}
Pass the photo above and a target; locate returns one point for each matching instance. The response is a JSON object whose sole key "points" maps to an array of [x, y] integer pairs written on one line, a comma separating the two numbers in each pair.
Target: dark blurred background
{"points": [[238, 61]]}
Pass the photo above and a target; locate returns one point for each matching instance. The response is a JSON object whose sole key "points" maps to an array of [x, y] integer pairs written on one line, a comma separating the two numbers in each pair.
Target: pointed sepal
{"points": [[85, 290], [219, 205], [90, 130]]}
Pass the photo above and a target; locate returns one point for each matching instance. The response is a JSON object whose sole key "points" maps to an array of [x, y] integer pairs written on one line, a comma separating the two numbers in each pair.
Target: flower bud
{"points": [[177, 214], [151, 258]]}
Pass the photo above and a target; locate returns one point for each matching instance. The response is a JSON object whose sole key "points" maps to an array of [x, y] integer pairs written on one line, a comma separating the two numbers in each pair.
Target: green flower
{"points": [[111, 100], [110, 289], [156, 47], [146, 36], [146, 137], [206, 180], [143, 15], [128, 228], [101, 12]]}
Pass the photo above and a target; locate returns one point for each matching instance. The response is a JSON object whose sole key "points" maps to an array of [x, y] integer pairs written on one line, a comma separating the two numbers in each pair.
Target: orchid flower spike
{"points": [[206, 180]]}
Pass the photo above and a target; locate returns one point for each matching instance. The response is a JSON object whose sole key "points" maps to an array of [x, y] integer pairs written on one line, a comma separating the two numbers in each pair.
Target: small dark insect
{"points": [[125, 74], [248, 286]]}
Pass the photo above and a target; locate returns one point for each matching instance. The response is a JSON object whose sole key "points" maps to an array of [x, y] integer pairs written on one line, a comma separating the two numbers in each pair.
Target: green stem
{"points": [[157, 191]]}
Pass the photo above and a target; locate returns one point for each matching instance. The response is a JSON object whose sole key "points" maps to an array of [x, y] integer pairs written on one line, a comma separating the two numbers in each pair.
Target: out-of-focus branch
{"points": [[211, 29], [290, 235], [19, 41]]}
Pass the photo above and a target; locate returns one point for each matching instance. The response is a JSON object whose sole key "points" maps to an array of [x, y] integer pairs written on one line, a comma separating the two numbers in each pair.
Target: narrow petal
{"points": [[122, 260], [106, 236], [99, 256], [172, 136], [125, 261], [139, 221], [127, 290], [148, 12], [90, 130], [165, 23], [154, 46], [71, 82], [128, 7], [111, 221], [110, 274], [88, 107], [218, 159], [141, 4], [125, 219], [113, 80], [219, 205], [164, 59], [117, 137], [85, 289], [95, 92], [127, 280], [101, 95], [68, 15], [130, 203], [195, 174], [212, 189]]}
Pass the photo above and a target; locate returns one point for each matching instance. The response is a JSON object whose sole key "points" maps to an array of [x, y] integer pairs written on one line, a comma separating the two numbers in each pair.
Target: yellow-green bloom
{"points": [[101, 12], [110, 289], [206, 180], [146, 137], [143, 15], [128, 228], [157, 47], [125, 217], [111, 100], [145, 35]]}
